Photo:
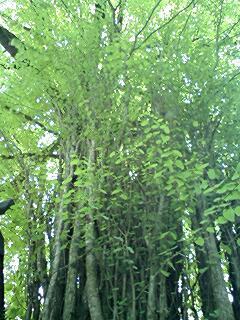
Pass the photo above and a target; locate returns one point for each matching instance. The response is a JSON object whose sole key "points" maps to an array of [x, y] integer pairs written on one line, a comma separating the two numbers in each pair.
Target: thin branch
{"points": [[30, 155], [119, 4], [230, 29], [144, 26], [234, 76], [29, 118], [67, 10], [117, 23], [111, 5], [218, 36], [183, 30], [213, 133], [162, 26], [49, 151], [113, 12]]}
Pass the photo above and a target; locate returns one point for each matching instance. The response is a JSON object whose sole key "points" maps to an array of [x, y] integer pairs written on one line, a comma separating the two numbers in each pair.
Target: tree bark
{"points": [[93, 297], [163, 307], [5, 40], [151, 304], [2, 309], [229, 239], [71, 285], [53, 306], [213, 290]]}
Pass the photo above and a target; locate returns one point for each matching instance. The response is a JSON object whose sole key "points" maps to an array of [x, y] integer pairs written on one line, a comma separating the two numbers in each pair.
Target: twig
{"points": [[28, 154], [218, 36], [29, 118], [162, 26], [144, 26]]}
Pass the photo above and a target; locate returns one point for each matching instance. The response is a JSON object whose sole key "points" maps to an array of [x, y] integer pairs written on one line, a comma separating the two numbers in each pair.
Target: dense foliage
{"points": [[119, 144]]}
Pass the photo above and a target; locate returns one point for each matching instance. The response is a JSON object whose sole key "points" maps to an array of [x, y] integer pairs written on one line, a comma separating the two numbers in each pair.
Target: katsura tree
{"points": [[118, 143]]}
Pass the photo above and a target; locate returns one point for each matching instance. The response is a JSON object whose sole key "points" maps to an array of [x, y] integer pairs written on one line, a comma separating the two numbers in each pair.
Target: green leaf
{"points": [[112, 154], [235, 176], [116, 191], [144, 122], [237, 211], [176, 153], [204, 184], [179, 164], [226, 248], [229, 214], [211, 174], [199, 241], [165, 138], [75, 161], [171, 265], [163, 235], [165, 128], [130, 250], [235, 195], [67, 180], [203, 270], [226, 187], [165, 273], [221, 220], [210, 229], [124, 196], [195, 124]]}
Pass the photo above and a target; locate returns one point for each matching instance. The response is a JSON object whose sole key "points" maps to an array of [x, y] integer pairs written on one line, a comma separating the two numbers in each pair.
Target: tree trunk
{"points": [[229, 239], [2, 309], [151, 304], [212, 285], [163, 308], [93, 297], [53, 301], [71, 286]]}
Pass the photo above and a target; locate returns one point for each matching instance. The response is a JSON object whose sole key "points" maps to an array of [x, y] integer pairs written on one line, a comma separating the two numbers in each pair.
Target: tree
{"points": [[119, 144]]}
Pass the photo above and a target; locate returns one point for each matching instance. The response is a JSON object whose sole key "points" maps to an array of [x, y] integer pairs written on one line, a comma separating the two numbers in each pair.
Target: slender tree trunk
{"points": [[2, 310], [212, 285], [71, 286], [163, 308], [151, 304], [220, 295], [133, 309], [229, 239], [93, 296], [33, 285], [173, 296], [56, 289], [52, 304], [115, 292]]}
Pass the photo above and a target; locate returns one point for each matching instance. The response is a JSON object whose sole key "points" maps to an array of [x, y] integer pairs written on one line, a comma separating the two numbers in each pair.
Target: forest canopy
{"points": [[119, 144]]}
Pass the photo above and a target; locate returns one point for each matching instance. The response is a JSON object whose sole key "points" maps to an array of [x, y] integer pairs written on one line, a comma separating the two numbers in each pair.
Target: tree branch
{"points": [[117, 21], [49, 151], [144, 26], [30, 155], [162, 26], [29, 118], [218, 36]]}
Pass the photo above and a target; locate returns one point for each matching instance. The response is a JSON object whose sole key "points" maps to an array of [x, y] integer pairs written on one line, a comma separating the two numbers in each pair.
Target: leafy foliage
{"points": [[119, 144]]}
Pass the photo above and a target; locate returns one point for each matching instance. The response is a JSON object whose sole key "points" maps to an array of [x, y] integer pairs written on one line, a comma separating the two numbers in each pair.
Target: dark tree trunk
{"points": [[4, 206], [2, 310], [5, 40], [229, 239]]}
